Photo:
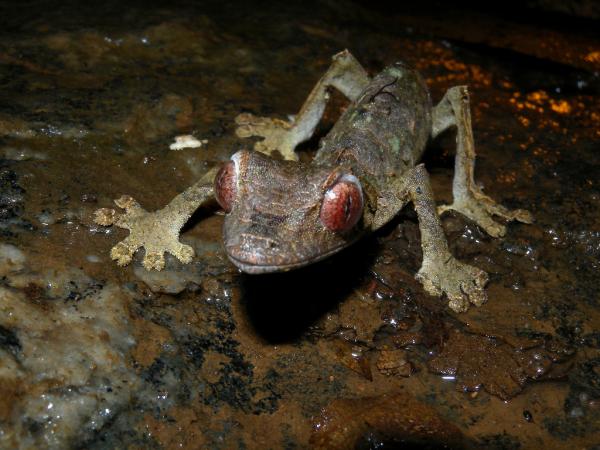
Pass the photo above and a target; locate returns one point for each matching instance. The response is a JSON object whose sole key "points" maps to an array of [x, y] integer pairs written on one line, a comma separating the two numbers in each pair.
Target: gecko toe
{"points": [[462, 283], [105, 216], [122, 252], [154, 260], [473, 290], [457, 302], [522, 215], [183, 253], [127, 203], [244, 131], [490, 226], [243, 118], [250, 125]]}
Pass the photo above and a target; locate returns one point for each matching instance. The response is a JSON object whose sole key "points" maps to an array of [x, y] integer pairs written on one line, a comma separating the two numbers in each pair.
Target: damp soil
{"points": [[350, 352]]}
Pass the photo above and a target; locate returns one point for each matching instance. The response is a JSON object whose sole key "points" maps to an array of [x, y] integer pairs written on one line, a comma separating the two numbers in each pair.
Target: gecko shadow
{"points": [[282, 307]]}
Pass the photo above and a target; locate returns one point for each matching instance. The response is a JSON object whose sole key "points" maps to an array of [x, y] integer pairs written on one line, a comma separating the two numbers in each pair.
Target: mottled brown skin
{"points": [[380, 138], [273, 220], [274, 225], [383, 134]]}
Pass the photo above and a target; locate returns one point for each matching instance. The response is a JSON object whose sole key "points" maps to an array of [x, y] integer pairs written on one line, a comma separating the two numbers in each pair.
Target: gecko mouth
{"points": [[251, 264]]}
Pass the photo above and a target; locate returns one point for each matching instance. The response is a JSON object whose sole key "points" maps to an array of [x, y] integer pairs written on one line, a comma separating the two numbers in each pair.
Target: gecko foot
{"points": [[156, 231], [480, 208], [276, 133], [462, 284]]}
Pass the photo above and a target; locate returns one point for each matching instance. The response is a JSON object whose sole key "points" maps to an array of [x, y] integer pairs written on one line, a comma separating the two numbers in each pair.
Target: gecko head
{"points": [[282, 215]]}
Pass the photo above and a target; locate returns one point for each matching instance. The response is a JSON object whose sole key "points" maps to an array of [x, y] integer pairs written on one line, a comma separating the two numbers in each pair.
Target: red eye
{"points": [[342, 204], [226, 186]]}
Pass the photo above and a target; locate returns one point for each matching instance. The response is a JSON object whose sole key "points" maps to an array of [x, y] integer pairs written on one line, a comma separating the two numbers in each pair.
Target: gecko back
{"points": [[383, 133]]}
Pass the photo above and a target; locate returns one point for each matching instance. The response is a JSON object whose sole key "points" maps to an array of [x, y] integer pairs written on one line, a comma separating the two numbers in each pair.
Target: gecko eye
{"points": [[226, 186], [342, 204]]}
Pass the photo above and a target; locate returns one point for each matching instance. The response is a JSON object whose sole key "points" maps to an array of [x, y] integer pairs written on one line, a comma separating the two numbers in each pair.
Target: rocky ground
{"points": [[348, 353]]}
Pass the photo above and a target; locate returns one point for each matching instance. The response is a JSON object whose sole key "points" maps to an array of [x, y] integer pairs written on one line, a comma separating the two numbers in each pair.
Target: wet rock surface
{"points": [[348, 353], [386, 421]]}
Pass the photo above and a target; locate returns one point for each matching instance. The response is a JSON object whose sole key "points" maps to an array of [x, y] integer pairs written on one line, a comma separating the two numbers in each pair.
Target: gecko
{"points": [[282, 214]]}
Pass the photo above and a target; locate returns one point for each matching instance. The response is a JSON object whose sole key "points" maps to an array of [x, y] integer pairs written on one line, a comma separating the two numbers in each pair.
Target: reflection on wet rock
{"points": [[64, 371], [394, 363], [490, 363], [198, 356], [382, 422]]}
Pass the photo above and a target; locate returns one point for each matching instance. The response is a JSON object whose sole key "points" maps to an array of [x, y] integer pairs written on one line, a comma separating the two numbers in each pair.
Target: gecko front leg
{"points": [[158, 231], [345, 74], [469, 199], [441, 272]]}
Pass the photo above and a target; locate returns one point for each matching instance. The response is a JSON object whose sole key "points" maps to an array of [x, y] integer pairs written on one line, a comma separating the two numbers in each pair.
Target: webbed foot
{"points": [[277, 134], [462, 284], [157, 232], [480, 208]]}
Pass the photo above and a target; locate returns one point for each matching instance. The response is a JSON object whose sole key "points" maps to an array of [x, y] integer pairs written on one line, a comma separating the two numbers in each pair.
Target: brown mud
{"points": [[349, 353]]}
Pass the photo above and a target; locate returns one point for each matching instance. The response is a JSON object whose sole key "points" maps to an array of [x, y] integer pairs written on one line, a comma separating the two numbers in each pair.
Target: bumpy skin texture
{"points": [[274, 222]]}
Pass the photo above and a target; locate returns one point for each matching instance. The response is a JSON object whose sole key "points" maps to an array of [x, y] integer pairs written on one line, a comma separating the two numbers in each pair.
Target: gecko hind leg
{"points": [[469, 199], [345, 74], [157, 231], [441, 272]]}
